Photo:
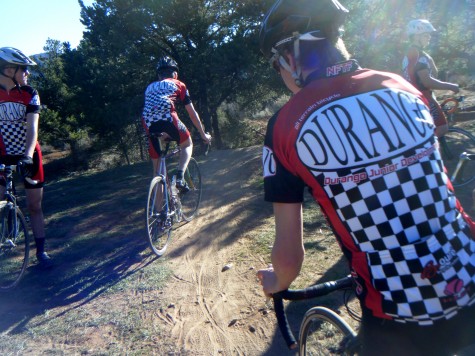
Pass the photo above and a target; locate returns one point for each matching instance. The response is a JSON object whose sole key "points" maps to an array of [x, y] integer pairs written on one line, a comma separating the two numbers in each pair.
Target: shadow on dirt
{"points": [[95, 232]]}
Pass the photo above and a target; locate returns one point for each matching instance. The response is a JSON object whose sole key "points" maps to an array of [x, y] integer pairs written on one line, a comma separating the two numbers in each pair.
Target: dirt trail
{"points": [[212, 309]]}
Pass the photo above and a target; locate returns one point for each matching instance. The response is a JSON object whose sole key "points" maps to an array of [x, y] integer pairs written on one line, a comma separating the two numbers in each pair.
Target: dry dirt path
{"points": [[94, 302], [215, 305]]}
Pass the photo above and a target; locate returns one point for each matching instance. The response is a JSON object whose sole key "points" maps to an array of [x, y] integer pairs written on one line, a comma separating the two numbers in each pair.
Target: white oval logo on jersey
{"points": [[363, 129], [268, 162]]}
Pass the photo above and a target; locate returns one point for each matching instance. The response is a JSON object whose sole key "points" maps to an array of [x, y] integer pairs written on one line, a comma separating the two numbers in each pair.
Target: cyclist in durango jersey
{"points": [[19, 115], [420, 70], [363, 142], [160, 116]]}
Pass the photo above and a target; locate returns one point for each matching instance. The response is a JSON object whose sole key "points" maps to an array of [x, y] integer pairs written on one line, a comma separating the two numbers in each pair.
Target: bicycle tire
{"points": [[14, 246], [452, 145], [159, 223], [323, 332], [190, 200]]}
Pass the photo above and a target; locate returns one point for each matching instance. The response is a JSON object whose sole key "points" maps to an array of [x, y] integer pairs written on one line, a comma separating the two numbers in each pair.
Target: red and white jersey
{"points": [[161, 98], [14, 107], [363, 143]]}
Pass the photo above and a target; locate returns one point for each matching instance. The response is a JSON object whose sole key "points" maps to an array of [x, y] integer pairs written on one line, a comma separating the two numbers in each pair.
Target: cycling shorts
{"points": [[435, 110], [176, 129]]}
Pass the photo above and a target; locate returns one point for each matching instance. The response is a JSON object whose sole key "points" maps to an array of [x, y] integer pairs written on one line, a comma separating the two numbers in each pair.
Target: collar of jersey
{"points": [[326, 73]]}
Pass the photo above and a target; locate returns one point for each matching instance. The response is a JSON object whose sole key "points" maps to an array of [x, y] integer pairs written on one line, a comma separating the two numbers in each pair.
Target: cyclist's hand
{"points": [[455, 88], [268, 280], [206, 137], [25, 166]]}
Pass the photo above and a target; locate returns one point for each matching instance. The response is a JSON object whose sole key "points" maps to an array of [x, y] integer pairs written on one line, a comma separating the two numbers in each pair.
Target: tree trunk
{"points": [[216, 132]]}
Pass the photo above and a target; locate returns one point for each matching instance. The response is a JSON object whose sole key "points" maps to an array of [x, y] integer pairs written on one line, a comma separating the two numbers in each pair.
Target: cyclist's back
{"points": [[160, 115], [363, 142]]}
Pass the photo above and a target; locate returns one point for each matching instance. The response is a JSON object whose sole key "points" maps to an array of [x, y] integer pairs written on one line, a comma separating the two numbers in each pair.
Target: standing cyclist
{"points": [[363, 142], [160, 116], [420, 70], [19, 116]]}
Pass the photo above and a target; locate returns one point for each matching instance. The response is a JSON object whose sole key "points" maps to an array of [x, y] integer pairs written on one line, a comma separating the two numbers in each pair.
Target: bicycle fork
{"points": [[464, 157], [9, 227]]}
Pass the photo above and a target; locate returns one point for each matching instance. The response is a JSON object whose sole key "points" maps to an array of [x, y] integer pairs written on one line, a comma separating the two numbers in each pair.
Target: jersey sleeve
{"points": [[34, 105], [185, 97], [280, 185]]}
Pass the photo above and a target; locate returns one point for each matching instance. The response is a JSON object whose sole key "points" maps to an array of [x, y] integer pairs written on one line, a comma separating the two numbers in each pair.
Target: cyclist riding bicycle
{"points": [[19, 117], [160, 116], [363, 142], [419, 69]]}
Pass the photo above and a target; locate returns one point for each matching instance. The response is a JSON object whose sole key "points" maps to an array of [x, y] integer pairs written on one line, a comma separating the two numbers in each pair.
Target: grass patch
{"points": [[323, 256]]}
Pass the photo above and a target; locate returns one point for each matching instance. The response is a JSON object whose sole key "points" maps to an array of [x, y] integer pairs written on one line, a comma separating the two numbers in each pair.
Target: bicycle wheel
{"points": [[159, 222], [452, 145], [323, 332], [191, 199], [14, 245]]}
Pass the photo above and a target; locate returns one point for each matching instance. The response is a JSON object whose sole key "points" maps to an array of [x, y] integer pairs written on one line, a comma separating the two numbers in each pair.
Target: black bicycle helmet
{"points": [[166, 63], [289, 16], [14, 57]]}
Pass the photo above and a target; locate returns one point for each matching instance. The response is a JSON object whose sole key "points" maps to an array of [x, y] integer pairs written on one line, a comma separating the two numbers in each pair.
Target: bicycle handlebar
{"points": [[314, 291]]}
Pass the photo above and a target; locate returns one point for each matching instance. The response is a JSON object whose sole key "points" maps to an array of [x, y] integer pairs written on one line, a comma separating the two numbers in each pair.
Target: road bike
{"points": [[322, 331], [457, 146], [14, 236], [166, 205]]}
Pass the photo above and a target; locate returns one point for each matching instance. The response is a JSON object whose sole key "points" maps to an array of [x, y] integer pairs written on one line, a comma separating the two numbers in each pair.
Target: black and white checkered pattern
{"points": [[14, 136], [158, 105], [388, 236], [410, 210]]}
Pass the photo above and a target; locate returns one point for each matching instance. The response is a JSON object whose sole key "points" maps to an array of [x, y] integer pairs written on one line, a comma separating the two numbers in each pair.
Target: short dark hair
{"points": [[166, 73]]}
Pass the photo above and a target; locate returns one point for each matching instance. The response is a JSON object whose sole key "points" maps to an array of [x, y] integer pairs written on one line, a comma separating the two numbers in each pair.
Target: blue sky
{"points": [[27, 24]]}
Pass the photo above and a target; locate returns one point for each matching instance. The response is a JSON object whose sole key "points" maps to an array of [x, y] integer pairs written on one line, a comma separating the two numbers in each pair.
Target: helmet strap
{"points": [[17, 85], [279, 56], [297, 74]]}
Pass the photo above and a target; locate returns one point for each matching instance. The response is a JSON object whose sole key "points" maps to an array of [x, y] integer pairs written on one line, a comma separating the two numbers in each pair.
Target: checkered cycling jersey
{"points": [[161, 98], [363, 142], [14, 107]]}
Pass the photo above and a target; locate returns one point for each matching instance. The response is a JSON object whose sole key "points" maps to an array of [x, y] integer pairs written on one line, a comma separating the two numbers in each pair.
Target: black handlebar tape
{"points": [[283, 322], [302, 294]]}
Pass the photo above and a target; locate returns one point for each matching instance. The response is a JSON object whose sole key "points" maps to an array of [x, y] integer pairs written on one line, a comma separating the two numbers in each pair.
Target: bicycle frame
{"points": [[9, 194], [464, 157], [163, 173]]}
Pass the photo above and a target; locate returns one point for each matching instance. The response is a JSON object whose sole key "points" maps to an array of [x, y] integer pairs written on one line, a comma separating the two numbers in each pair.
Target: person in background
{"points": [[19, 117], [363, 143], [160, 116], [420, 70]]}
